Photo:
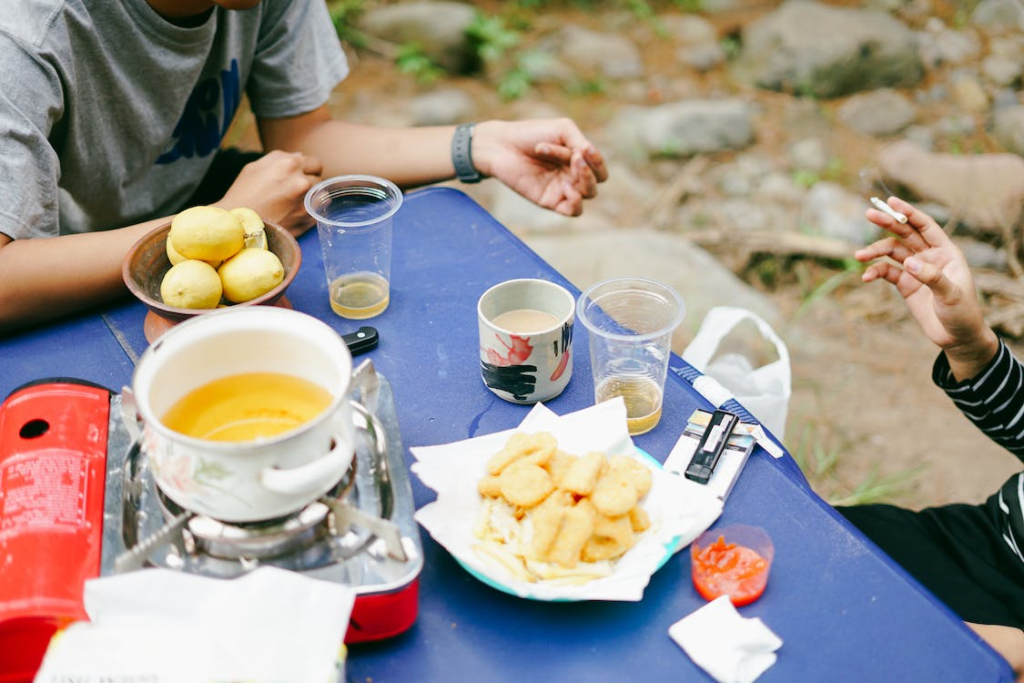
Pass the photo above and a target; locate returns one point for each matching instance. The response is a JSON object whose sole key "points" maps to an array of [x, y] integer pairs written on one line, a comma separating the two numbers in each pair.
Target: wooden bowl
{"points": [[146, 264]]}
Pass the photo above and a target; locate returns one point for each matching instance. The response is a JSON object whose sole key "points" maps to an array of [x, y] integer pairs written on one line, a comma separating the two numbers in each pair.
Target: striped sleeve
{"points": [[994, 402]]}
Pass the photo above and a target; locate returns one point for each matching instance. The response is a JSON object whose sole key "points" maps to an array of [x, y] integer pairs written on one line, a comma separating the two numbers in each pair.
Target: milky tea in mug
{"points": [[526, 339]]}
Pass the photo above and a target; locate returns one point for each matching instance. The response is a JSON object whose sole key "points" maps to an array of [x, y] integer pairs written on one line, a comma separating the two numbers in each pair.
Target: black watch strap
{"points": [[462, 154]]}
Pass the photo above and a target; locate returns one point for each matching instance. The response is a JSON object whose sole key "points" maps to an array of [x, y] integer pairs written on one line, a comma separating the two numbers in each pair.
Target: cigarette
{"points": [[885, 208]]}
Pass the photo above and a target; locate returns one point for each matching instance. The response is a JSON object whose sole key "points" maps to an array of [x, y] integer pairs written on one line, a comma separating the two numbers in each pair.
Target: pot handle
{"points": [[130, 413], [309, 478]]}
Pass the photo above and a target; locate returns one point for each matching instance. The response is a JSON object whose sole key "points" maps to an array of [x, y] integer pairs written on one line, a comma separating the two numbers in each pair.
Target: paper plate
{"points": [[670, 549]]}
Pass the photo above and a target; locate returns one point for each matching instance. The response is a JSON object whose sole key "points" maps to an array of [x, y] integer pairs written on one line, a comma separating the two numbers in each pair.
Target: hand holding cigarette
{"points": [[931, 274]]}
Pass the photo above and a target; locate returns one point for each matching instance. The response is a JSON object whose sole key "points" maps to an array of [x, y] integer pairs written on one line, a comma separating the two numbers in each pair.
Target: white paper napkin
{"points": [[162, 626], [731, 648], [680, 510]]}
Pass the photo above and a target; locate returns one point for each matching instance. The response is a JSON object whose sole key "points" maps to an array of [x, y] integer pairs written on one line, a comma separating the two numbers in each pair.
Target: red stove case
{"points": [[77, 500]]}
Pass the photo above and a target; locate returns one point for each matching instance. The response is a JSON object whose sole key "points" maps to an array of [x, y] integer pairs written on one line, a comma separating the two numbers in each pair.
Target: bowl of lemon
{"points": [[208, 258]]}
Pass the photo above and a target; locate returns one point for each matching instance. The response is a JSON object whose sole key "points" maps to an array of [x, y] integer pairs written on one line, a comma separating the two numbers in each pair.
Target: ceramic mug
{"points": [[248, 480], [526, 339]]}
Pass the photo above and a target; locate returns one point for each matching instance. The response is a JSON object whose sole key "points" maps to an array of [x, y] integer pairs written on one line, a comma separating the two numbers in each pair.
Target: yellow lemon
{"points": [[250, 273], [191, 284], [175, 258], [255, 231], [206, 233]]}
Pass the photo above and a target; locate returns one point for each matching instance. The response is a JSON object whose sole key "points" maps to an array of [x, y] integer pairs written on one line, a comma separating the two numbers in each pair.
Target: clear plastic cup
{"points": [[353, 216], [630, 322]]}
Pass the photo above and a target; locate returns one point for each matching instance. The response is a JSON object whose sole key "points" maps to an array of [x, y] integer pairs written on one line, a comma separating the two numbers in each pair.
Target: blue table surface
{"points": [[844, 611]]}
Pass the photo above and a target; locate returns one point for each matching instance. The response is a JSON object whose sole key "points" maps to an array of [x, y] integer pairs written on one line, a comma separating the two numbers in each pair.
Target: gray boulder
{"points": [[812, 49], [881, 112], [685, 128], [1008, 128], [439, 28]]}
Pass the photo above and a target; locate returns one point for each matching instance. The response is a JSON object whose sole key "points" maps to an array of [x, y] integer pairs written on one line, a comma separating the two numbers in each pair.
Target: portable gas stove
{"points": [[361, 534]]}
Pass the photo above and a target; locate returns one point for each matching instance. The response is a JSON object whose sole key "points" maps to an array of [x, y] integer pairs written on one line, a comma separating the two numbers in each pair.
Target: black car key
{"points": [[362, 340], [712, 443]]}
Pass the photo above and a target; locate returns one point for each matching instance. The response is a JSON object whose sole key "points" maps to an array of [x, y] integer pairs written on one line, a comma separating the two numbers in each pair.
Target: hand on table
{"points": [[1007, 641], [275, 186], [548, 161], [936, 283]]}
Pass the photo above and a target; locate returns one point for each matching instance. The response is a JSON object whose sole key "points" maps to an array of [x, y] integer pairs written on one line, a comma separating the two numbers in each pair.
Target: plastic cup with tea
{"points": [[630, 323], [354, 216]]}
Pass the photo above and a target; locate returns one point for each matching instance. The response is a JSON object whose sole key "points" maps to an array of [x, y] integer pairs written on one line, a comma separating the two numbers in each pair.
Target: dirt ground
{"points": [[865, 420]]}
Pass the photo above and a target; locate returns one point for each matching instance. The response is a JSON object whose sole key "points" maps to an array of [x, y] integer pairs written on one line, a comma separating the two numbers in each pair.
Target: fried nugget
{"points": [[582, 475], [559, 464], [639, 519], [576, 528], [525, 485], [546, 520], [618, 529], [614, 494], [536, 448], [489, 486], [598, 548], [634, 470]]}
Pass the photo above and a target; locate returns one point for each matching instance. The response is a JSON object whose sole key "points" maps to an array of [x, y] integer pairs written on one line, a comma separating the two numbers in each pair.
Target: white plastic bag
{"points": [[763, 391]]}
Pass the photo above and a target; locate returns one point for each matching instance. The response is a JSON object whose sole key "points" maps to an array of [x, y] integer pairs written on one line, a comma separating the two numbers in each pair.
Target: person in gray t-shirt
{"points": [[113, 113]]}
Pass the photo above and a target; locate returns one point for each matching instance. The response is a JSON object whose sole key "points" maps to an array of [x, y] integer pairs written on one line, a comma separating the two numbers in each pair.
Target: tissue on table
{"points": [[161, 626], [679, 509], [729, 647]]}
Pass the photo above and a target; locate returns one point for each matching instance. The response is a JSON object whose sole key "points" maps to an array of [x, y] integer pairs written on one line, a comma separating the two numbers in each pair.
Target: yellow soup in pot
{"points": [[247, 407]]}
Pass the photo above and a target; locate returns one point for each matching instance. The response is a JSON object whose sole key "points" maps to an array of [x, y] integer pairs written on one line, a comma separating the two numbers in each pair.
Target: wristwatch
{"points": [[462, 154]]}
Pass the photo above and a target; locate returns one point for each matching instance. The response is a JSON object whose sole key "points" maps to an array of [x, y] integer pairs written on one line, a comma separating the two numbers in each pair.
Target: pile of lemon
{"points": [[216, 254]]}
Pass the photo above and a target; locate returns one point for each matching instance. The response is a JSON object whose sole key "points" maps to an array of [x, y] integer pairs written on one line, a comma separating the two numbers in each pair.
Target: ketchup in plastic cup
{"points": [[732, 560]]}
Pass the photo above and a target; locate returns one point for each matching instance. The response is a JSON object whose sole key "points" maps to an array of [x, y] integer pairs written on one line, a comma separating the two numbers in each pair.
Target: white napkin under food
{"points": [[679, 509], [731, 648], [162, 626]]}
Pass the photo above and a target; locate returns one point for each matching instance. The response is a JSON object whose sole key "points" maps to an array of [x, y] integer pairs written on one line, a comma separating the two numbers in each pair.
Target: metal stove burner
{"points": [[362, 533], [263, 539]]}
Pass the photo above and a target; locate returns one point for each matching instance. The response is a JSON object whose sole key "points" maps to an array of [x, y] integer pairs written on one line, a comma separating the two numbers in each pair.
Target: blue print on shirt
{"points": [[198, 132]]}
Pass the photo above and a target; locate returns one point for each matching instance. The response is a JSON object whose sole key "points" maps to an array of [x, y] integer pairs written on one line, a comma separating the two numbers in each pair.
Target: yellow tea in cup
{"points": [[246, 407]]}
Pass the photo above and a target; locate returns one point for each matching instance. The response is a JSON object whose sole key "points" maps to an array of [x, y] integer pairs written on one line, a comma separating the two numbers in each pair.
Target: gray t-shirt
{"points": [[111, 115]]}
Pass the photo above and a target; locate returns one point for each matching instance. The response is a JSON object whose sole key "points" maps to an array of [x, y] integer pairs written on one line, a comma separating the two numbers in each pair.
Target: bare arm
{"points": [[46, 278], [548, 161]]}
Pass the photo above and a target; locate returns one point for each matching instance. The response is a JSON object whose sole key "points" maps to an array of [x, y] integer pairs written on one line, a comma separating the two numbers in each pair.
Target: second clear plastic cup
{"points": [[630, 323], [353, 216]]}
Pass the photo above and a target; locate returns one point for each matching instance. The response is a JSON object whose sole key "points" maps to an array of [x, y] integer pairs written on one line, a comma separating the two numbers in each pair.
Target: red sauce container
{"points": [[732, 560]]}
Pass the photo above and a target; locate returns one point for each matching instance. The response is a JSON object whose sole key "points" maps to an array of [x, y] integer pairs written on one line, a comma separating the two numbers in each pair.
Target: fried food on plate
{"points": [[548, 515], [536, 449]]}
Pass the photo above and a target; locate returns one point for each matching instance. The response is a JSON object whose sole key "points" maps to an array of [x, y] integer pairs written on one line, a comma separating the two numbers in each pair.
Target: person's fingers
{"points": [[595, 160], [553, 152], [312, 165], [583, 175], [571, 202], [888, 246], [882, 270], [906, 232], [924, 225], [932, 277], [874, 250]]}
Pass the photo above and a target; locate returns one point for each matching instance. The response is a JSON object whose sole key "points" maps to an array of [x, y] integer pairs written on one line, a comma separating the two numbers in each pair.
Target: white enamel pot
{"points": [[255, 480]]}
